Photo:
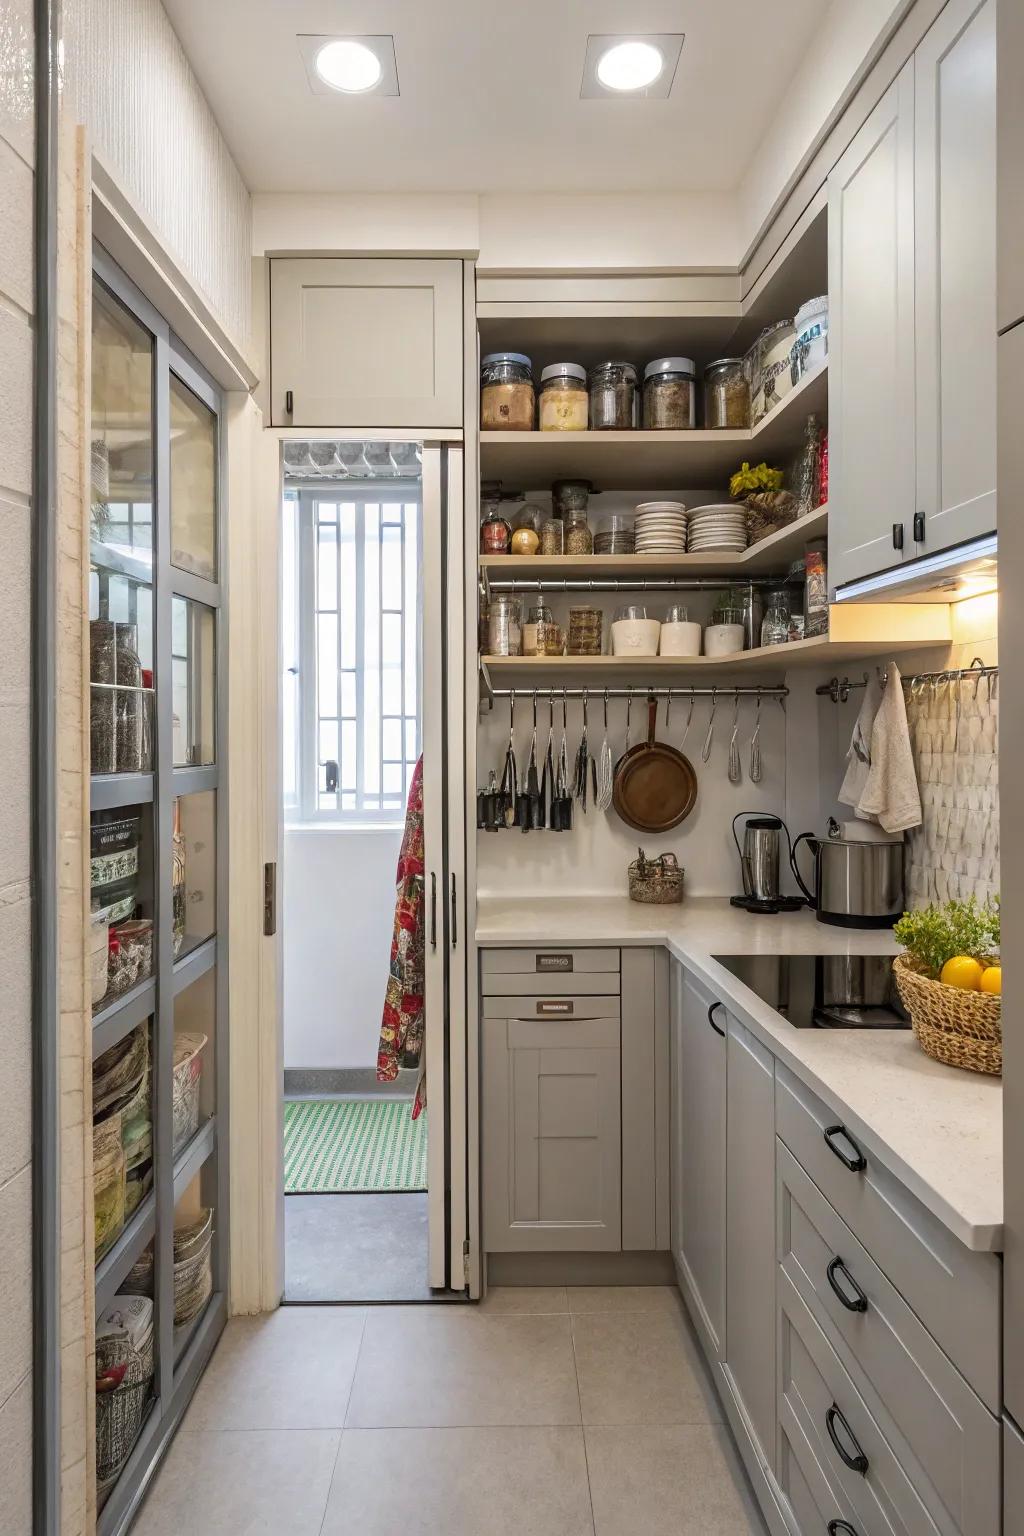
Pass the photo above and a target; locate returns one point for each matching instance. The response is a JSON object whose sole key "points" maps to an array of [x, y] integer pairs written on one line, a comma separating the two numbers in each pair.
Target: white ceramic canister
{"points": [[723, 639], [681, 638], [810, 348], [635, 637], [774, 368]]}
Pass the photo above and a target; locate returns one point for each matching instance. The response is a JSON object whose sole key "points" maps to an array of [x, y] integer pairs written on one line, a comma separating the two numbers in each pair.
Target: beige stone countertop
{"points": [[937, 1128]]}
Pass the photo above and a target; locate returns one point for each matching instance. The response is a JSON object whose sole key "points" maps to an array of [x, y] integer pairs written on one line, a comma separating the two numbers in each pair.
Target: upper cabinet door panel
{"points": [[955, 258], [1010, 109], [871, 339], [366, 343]]}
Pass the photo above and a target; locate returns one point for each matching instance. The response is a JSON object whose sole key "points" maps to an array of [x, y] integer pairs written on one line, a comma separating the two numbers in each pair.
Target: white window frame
{"points": [[304, 808]]}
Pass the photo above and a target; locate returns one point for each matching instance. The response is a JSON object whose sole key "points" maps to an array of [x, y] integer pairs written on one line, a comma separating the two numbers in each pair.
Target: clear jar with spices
{"points": [[614, 397], [670, 396], [505, 625], [726, 394], [563, 398], [552, 536], [586, 626], [578, 538], [538, 631], [495, 528], [506, 392]]}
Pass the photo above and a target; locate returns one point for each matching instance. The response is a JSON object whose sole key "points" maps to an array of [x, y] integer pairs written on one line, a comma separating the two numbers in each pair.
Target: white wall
{"points": [[336, 923]]}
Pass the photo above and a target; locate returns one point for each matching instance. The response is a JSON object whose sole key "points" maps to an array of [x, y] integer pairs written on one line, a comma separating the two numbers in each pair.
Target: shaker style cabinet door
{"points": [[698, 1133], [552, 1132], [1010, 162], [375, 343], [871, 342], [955, 261]]}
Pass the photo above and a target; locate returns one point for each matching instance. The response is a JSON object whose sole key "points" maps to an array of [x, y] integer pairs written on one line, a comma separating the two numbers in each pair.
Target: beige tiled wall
{"points": [[16, 188]]}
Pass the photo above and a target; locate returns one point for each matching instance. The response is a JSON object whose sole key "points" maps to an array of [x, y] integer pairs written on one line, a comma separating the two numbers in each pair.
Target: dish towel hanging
{"points": [[891, 794], [401, 1030], [858, 757]]}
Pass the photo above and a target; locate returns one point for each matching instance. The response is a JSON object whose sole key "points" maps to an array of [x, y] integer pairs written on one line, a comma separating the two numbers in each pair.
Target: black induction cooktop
{"points": [[824, 991]]}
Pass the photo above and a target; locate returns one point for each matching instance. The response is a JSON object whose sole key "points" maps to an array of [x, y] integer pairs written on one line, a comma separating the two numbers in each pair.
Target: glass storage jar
{"points": [[585, 630], [570, 496], [777, 615], [505, 625], [552, 536], [772, 376], [495, 531], [506, 392], [726, 394], [537, 630], [563, 398], [670, 400], [578, 538], [614, 401]]}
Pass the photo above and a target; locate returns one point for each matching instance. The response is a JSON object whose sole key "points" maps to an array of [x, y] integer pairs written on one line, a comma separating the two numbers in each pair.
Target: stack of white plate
{"points": [[720, 527], [661, 528]]}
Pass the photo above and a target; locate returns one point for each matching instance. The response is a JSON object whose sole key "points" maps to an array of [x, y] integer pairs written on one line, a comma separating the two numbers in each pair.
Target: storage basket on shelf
{"points": [[139, 1279], [108, 1183], [120, 1070], [188, 1068], [959, 1027], [124, 1383], [655, 881], [193, 1267]]}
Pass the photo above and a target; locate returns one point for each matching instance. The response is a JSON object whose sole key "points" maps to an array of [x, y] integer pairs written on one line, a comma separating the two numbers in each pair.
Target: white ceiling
{"points": [[490, 93]]}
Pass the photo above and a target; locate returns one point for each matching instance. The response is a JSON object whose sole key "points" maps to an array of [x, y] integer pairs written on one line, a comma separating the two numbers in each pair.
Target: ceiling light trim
{"points": [[599, 44], [381, 45]]}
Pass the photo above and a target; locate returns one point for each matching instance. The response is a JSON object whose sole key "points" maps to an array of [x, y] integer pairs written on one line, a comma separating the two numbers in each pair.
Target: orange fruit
{"points": [[992, 980], [962, 971]]}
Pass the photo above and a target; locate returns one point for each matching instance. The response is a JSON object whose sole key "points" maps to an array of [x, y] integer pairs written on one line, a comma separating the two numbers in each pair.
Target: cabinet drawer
{"points": [[515, 972], [952, 1439], [811, 1497], [815, 1390], [955, 1293]]}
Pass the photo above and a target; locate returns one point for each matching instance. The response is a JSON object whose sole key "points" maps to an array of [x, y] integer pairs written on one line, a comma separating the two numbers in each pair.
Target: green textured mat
{"points": [[354, 1145]]}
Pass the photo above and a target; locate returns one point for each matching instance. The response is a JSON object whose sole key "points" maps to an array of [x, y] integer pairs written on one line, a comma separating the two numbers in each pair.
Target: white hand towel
{"points": [[891, 792], [858, 757]]}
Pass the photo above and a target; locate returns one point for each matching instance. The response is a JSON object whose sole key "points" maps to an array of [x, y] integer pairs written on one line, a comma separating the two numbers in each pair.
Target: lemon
{"points": [[992, 980], [962, 971]]}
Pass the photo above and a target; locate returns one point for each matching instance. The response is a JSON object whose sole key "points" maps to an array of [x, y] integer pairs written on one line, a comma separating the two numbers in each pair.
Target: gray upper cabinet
{"points": [[1010, 161], [366, 343], [698, 1067], [750, 1234], [955, 266], [871, 341]]}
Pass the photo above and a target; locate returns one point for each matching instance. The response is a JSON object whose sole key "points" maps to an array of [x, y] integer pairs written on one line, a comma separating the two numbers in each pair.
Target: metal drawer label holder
{"points": [[555, 1005], [554, 963]]}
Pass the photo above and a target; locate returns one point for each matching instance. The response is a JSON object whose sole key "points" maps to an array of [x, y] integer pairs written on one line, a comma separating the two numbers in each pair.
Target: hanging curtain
{"points": [[401, 1030]]}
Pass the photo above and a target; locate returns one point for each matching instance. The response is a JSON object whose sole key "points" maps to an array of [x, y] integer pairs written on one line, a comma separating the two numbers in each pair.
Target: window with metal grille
{"points": [[352, 601]]}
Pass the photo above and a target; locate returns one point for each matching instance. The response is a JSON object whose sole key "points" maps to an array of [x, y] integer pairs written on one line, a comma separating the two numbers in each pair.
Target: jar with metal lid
{"points": [[495, 529], [537, 630], [506, 392], [578, 538], [563, 398], [614, 399], [586, 625], [670, 397], [726, 394], [505, 625], [777, 614]]}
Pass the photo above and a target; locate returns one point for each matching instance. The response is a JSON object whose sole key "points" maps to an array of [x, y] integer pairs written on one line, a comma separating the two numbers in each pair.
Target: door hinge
{"points": [[918, 527], [465, 1259], [269, 900]]}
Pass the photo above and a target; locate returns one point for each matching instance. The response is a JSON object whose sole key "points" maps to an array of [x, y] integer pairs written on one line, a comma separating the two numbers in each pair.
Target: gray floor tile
{"points": [[525, 1299], [291, 1369], [624, 1298], [356, 1248], [460, 1482], [641, 1368], [444, 1366], [668, 1480], [242, 1483]]}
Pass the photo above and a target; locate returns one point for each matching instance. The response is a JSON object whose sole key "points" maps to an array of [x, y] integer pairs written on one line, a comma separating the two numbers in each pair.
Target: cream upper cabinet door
{"points": [[955, 259], [374, 343], [1010, 158], [871, 341]]}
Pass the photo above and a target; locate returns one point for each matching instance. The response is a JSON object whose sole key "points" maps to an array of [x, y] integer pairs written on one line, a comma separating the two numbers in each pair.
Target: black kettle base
{"points": [[778, 904]]}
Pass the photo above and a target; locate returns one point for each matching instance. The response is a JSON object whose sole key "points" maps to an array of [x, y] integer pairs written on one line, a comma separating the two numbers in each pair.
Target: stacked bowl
{"points": [[660, 528], [717, 527]]}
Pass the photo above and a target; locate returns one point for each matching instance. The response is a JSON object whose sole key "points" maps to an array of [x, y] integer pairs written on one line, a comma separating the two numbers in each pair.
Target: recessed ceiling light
{"points": [[346, 65], [630, 66], [350, 66], [622, 65]]}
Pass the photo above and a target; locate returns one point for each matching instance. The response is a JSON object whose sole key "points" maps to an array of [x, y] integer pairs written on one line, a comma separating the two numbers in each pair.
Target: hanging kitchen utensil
{"points": [[581, 772], [655, 786], [534, 819], [547, 787], [488, 818], [508, 795], [705, 751], [755, 745], [605, 768], [735, 769], [689, 718], [562, 810]]}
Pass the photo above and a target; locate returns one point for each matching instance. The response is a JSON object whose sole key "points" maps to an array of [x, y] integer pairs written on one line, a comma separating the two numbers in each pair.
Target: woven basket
{"points": [[654, 883], [959, 1027]]}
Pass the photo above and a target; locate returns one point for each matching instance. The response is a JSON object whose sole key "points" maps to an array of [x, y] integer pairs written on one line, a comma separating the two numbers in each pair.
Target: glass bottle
{"points": [[775, 626]]}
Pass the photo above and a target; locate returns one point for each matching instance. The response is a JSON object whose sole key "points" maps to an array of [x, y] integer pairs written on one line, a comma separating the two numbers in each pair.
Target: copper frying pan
{"points": [[655, 787]]}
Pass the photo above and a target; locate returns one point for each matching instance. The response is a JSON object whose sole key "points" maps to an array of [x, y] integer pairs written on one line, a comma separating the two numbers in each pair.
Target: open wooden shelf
{"points": [[652, 460], [775, 553]]}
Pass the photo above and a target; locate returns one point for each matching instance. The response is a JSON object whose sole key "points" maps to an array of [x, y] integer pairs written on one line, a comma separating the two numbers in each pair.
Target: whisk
{"points": [[605, 767], [755, 745]]}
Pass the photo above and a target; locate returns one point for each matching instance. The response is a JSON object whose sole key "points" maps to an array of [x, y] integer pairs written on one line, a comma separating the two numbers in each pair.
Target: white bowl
{"points": [[723, 639], [680, 639], [636, 637]]}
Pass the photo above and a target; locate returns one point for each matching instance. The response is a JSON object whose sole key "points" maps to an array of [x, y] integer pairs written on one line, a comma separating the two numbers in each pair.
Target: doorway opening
{"points": [[356, 1125]]}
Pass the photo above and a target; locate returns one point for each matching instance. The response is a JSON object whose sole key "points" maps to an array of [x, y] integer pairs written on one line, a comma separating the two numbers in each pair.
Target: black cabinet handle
{"points": [[855, 1460], [840, 1528], [858, 1162], [897, 535], [455, 917], [858, 1302], [711, 1020], [289, 402], [918, 527], [433, 910]]}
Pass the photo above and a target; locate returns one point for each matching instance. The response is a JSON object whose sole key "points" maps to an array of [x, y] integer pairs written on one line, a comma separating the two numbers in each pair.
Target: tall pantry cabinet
{"points": [[912, 308]]}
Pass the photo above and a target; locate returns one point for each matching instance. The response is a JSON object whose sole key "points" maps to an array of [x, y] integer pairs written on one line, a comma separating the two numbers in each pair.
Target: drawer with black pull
{"points": [[956, 1293], [516, 972], [947, 1440]]}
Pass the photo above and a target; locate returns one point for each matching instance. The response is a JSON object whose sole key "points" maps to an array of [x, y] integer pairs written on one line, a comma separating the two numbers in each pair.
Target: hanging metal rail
{"points": [[839, 689], [628, 584], [639, 691]]}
